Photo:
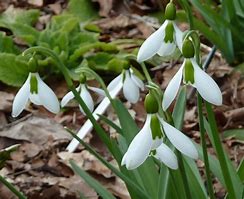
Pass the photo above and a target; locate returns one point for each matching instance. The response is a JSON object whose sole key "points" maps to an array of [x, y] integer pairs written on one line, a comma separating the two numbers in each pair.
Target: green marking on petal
{"points": [[33, 84], [188, 72], [153, 152], [156, 127], [169, 33]]}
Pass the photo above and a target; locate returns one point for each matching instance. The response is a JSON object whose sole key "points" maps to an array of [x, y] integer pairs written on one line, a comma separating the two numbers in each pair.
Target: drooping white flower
{"points": [[143, 143], [35, 90], [192, 74], [131, 85], [84, 94], [162, 42]]}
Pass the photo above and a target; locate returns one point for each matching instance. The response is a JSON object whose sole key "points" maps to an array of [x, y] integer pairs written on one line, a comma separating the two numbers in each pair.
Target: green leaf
{"points": [[7, 45], [13, 69], [240, 170], [232, 171], [234, 133], [5, 154], [83, 9], [92, 182]]}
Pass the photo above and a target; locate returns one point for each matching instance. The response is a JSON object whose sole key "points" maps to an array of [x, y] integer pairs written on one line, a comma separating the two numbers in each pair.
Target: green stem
{"points": [[220, 151], [12, 188], [183, 175], [204, 147], [146, 73]]}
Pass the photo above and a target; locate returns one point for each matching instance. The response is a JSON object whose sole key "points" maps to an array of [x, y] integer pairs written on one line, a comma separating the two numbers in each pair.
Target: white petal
{"points": [[21, 98], [179, 140], [139, 148], [172, 89], [34, 98], [69, 96], [152, 44], [137, 81], [112, 85], [130, 89], [166, 49], [156, 143], [167, 156], [206, 86], [47, 97], [86, 96], [99, 91], [179, 36]]}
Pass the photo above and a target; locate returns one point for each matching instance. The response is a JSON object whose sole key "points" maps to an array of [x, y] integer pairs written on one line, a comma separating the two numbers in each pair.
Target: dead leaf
{"points": [[6, 101]]}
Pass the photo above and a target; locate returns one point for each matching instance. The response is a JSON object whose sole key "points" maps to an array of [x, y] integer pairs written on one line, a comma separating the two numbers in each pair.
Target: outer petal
{"points": [[69, 96], [152, 44], [179, 36], [167, 156], [85, 95], [172, 88], [179, 140], [47, 97], [206, 86], [166, 49], [137, 81], [34, 98], [115, 82], [139, 148], [99, 91], [130, 89], [21, 98]]}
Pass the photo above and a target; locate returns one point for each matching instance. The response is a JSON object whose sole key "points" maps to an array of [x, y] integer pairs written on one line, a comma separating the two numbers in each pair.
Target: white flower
{"points": [[143, 143], [131, 85], [84, 94], [158, 43], [35, 90], [204, 84]]}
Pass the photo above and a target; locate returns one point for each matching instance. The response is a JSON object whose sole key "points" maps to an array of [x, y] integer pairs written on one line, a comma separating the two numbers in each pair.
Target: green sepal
{"points": [[169, 33], [150, 103], [188, 72], [188, 49], [33, 65], [155, 127], [33, 84], [170, 11]]}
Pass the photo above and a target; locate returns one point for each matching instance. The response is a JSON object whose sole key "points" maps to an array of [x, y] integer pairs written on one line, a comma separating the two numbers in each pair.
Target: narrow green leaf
{"points": [[234, 133], [91, 181], [240, 170]]}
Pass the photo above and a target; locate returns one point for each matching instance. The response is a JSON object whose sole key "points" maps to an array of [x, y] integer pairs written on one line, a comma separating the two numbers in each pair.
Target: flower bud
{"points": [[188, 49], [33, 65], [170, 11], [151, 104], [82, 78]]}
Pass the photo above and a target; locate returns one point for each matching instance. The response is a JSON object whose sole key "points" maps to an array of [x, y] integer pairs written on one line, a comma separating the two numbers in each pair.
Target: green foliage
{"points": [[13, 69], [222, 25]]}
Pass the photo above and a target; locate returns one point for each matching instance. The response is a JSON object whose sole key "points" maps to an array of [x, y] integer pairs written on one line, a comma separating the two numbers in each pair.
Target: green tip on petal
{"points": [[188, 49], [151, 104], [33, 84], [188, 72], [169, 33], [155, 127], [170, 11]]}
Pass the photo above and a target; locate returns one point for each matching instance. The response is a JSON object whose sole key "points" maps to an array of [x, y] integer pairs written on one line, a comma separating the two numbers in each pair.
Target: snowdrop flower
{"points": [[35, 90], [131, 85], [192, 74], [149, 141], [163, 41], [84, 94]]}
